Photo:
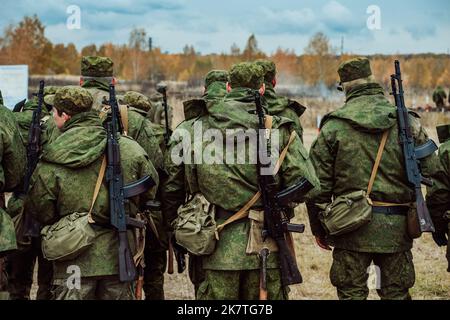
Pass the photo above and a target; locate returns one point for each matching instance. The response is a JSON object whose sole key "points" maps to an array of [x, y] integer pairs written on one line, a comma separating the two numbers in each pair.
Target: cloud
{"points": [[338, 18], [419, 32], [286, 21]]}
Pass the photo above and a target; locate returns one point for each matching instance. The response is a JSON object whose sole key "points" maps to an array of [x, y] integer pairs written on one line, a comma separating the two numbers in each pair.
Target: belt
{"points": [[400, 211]]}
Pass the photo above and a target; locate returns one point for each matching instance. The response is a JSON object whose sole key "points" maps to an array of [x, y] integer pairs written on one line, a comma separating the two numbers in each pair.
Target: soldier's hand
{"points": [[321, 242], [440, 238]]}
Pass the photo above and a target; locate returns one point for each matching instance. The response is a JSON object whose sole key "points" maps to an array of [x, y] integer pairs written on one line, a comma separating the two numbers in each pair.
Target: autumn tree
{"points": [[27, 44], [137, 44]]}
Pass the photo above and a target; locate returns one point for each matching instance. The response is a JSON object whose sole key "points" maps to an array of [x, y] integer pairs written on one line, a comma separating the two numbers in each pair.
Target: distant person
{"points": [[439, 98]]}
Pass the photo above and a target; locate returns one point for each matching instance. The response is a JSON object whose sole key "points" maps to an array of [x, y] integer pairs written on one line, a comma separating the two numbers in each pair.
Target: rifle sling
{"points": [[243, 212], [97, 188]]}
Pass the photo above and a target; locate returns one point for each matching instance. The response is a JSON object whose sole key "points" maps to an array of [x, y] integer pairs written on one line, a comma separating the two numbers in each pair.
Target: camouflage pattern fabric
{"points": [[284, 107], [64, 182], [216, 76], [96, 66], [349, 274], [246, 75], [12, 169], [270, 70], [344, 154], [94, 288], [235, 285], [233, 184], [137, 100], [23, 119], [99, 92], [72, 100], [438, 196], [353, 69]]}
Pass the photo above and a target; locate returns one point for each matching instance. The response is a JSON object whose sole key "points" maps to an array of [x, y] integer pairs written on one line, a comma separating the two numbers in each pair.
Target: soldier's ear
{"points": [[274, 82], [228, 87], [81, 81]]}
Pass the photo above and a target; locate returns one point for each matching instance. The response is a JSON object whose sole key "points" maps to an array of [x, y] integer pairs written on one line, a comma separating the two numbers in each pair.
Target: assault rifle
{"points": [[31, 226], [276, 224], [118, 193], [411, 154], [161, 88]]}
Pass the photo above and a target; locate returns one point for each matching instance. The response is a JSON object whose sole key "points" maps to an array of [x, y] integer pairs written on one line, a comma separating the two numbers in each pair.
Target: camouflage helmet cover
{"points": [[216, 76], [72, 100], [354, 69], [246, 75], [95, 66], [137, 100], [270, 69]]}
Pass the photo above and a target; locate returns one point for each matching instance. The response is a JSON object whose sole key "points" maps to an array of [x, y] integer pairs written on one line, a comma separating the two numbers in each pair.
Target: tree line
{"points": [[26, 43]]}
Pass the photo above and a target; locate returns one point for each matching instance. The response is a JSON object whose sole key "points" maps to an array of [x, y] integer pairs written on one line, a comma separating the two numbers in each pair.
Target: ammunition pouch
{"points": [[255, 239]]}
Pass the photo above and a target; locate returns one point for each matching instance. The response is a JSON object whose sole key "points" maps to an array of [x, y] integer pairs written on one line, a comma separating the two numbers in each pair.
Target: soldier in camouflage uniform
{"points": [[156, 242], [63, 183], [344, 155], [156, 112], [12, 169], [438, 196], [229, 272], [22, 262], [439, 97], [277, 105], [194, 109]]}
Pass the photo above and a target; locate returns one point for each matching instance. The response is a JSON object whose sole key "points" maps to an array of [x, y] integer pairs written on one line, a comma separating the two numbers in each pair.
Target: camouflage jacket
{"points": [[231, 185], [12, 169], [438, 196], [23, 118], [139, 128], [284, 107], [64, 183], [99, 91], [344, 155]]}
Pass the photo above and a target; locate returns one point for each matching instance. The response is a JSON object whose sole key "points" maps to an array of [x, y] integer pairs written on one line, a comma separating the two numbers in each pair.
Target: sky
{"points": [[213, 26]]}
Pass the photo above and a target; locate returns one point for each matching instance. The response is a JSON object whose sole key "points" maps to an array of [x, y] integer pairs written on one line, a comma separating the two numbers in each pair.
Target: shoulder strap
{"points": [[124, 116], [377, 162], [97, 188], [243, 212]]}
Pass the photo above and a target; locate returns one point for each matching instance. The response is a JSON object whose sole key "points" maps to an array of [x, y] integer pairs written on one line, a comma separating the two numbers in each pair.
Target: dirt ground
{"points": [[432, 280]]}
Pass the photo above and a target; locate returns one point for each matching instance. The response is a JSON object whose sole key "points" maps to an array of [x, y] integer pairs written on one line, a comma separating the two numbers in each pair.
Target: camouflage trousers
{"points": [[155, 266], [196, 272], [349, 274], [4, 294], [240, 285], [20, 270], [93, 288]]}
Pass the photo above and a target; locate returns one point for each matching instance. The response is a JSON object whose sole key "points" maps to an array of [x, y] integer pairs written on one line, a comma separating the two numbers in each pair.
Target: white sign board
{"points": [[13, 84]]}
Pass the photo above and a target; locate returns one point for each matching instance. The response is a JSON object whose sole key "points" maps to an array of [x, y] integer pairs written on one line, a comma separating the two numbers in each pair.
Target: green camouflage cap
{"points": [[246, 75], [50, 90], [94, 66], [72, 100], [353, 69], [270, 69], [49, 99], [137, 100], [216, 76]]}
